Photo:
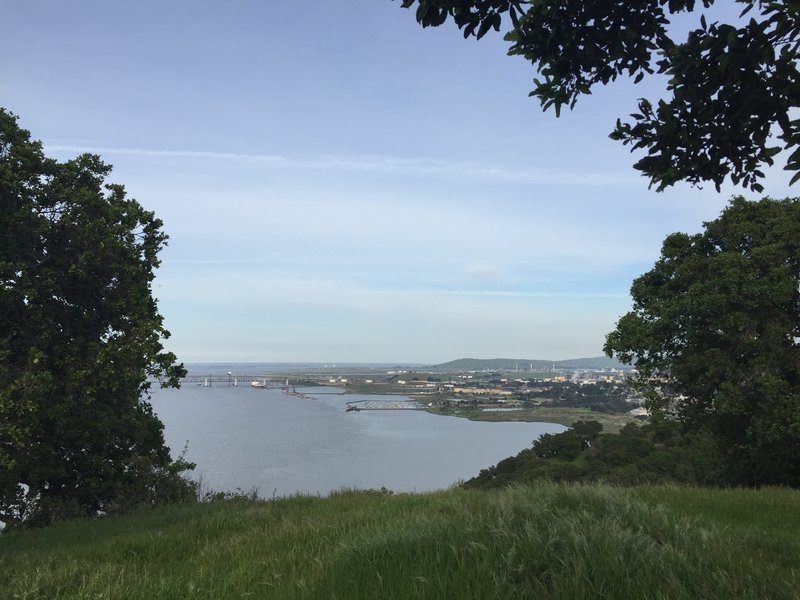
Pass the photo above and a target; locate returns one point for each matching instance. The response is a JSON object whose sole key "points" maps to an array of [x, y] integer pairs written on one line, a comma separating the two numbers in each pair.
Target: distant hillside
{"points": [[526, 364], [597, 362]]}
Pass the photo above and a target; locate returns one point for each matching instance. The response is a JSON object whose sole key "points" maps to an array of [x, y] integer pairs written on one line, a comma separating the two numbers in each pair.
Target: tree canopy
{"points": [[733, 88], [715, 336], [655, 452], [80, 335]]}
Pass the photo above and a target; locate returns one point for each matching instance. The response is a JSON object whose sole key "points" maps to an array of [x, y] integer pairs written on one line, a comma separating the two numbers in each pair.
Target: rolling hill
{"points": [[526, 364]]}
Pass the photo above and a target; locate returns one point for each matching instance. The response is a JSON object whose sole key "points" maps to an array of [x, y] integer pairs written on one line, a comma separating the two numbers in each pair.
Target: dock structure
{"points": [[383, 405]]}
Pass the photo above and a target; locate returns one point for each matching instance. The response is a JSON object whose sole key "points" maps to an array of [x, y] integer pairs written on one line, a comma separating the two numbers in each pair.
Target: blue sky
{"points": [[341, 185]]}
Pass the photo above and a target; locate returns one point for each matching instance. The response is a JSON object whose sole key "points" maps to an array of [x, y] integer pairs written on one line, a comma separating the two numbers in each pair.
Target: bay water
{"points": [[279, 444]]}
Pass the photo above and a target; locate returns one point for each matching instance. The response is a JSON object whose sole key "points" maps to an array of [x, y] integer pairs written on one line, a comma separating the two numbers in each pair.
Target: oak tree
{"points": [[715, 336], [732, 88], [80, 340]]}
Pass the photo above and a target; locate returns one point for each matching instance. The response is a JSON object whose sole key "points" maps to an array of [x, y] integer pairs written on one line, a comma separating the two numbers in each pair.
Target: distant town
{"points": [[496, 389]]}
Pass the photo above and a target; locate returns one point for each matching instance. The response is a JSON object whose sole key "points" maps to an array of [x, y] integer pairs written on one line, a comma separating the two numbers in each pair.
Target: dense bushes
{"points": [[656, 452]]}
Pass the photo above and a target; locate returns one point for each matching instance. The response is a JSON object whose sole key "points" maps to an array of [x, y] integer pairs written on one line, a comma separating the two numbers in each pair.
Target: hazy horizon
{"points": [[410, 363]]}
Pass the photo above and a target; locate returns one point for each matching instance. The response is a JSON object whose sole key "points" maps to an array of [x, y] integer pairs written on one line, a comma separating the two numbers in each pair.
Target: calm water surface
{"points": [[243, 438]]}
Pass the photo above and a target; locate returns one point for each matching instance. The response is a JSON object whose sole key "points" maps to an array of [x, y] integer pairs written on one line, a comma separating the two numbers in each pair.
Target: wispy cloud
{"points": [[234, 288], [378, 164], [505, 294], [321, 318]]}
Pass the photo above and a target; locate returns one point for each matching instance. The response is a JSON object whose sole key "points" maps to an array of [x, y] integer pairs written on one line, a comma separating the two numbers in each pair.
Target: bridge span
{"points": [[246, 379]]}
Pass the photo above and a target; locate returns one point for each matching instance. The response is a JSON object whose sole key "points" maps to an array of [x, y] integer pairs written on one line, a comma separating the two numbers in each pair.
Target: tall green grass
{"points": [[547, 541]]}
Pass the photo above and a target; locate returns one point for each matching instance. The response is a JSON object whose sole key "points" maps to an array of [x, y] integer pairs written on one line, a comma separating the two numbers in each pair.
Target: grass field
{"points": [[548, 541]]}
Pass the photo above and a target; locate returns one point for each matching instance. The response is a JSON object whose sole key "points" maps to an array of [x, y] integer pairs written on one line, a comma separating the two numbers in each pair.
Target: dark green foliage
{"points": [[599, 397], [79, 335], [730, 85], [569, 444], [656, 452], [715, 336]]}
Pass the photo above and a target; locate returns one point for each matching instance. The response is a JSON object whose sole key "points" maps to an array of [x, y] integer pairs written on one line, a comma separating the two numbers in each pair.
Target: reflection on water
{"points": [[280, 444]]}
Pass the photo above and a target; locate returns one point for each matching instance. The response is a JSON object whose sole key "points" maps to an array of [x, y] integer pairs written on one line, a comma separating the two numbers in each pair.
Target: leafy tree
{"points": [[587, 433], [80, 335], [730, 86], [715, 336], [569, 444]]}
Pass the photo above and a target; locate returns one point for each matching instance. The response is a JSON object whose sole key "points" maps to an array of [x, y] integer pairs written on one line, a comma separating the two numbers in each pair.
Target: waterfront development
{"points": [[486, 390]]}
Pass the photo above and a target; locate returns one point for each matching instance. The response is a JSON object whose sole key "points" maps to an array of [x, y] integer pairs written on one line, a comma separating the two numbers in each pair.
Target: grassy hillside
{"points": [[549, 541]]}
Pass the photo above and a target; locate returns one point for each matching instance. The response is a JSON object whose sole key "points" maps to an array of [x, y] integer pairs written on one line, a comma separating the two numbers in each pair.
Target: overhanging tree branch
{"points": [[732, 90]]}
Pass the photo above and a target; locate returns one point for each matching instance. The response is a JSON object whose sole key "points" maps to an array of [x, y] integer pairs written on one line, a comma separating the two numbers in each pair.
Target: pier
{"points": [[357, 405]]}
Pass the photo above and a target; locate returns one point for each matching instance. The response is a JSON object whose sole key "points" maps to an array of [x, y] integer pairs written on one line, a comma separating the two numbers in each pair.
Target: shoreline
{"points": [[566, 416], [611, 422]]}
